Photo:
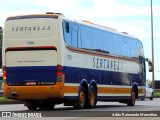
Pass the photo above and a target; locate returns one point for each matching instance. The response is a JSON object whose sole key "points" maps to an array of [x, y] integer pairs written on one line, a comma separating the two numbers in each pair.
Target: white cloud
{"points": [[156, 11], [99, 8], [100, 12], [78, 9]]}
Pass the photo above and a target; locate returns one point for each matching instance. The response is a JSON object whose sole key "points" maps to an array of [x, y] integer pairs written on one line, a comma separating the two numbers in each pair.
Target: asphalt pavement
{"points": [[150, 108]]}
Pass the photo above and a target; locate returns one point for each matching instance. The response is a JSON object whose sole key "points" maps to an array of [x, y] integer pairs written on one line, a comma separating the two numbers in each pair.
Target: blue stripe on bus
{"points": [[113, 98], [72, 75], [31, 73], [75, 75]]}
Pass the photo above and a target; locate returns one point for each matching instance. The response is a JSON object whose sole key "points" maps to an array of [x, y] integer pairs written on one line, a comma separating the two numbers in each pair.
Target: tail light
{"points": [[4, 73], [59, 73]]}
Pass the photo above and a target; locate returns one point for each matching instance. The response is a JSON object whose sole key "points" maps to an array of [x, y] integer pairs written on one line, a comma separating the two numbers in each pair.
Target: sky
{"points": [[131, 16]]}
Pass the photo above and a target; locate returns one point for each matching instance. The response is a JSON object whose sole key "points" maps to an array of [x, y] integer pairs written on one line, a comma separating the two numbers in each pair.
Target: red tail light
{"points": [[59, 70], [59, 73], [4, 73]]}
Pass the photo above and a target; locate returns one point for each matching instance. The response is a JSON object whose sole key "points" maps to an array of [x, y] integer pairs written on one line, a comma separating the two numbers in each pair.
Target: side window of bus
{"points": [[134, 51], [117, 44], [97, 40], [107, 42], [66, 32], [140, 49], [126, 47], [86, 37]]}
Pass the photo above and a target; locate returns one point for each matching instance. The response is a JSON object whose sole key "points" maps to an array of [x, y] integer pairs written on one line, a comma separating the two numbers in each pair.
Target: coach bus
{"points": [[49, 59]]}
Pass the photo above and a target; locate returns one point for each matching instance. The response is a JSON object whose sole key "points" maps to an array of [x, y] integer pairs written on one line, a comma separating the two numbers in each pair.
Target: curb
{"points": [[156, 97]]}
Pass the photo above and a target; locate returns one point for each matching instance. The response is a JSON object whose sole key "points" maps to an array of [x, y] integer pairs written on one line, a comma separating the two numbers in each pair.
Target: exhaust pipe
{"points": [[14, 94]]}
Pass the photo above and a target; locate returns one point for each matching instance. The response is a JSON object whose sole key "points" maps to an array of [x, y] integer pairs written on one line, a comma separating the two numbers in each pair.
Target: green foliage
{"points": [[157, 93], [3, 99]]}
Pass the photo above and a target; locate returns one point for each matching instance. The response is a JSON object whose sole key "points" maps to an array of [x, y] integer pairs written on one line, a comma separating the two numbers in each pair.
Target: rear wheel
{"points": [[46, 105], [92, 98], [82, 99], [32, 107], [143, 97], [31, 104], [132, 99]]}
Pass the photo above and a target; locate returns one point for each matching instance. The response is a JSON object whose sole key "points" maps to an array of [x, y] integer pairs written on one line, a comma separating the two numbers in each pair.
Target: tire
{"points": [[151, 98], [46, 105], [132, 99], [32, 107], [143, 97], [92, 98], [31, 104], [81, 103]]}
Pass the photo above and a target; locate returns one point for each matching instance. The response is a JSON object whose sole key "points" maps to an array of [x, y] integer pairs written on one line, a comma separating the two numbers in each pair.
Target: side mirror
{"points": [[149, 64]]}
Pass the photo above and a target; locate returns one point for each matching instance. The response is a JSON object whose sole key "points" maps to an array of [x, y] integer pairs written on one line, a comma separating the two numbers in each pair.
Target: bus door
{"points": [[75, 36], [143, 70]]}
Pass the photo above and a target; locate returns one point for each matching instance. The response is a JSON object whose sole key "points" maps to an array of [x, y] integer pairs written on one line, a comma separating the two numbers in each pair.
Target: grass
{"points": [[3, 99], [157, 93]]}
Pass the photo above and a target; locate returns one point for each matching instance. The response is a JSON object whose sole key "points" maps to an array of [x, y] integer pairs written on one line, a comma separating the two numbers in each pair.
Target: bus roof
{"points": [[83, 22], [47, 15]]}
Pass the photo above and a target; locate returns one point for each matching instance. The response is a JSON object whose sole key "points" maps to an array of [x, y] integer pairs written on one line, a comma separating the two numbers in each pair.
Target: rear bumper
{"points": [[34, 92]]}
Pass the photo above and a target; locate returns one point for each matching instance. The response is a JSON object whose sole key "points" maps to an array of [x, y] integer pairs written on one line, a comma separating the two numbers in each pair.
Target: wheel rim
{"points": [[92, 97], [133, 97], [82, 98]]}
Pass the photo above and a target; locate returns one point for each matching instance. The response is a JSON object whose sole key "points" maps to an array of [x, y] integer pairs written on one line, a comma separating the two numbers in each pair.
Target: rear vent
{"points": [[50, 13], [53, 13], [125, 32], [59, 13]]}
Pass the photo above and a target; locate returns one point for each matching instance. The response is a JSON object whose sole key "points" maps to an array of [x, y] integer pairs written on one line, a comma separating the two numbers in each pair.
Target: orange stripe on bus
{"points": [[104, 90], [71, 89], [114, 90]]}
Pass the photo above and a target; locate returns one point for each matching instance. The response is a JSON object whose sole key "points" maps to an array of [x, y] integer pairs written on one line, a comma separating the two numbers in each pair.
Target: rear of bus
{"points": [[31, 67]]}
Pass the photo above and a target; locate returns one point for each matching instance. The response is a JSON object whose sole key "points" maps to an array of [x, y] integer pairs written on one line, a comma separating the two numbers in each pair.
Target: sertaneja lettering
{"points": [[30, 28], [107, 64]]}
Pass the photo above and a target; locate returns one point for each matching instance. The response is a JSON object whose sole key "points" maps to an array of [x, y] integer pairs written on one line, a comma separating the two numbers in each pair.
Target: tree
{"points": [[1, 36]]}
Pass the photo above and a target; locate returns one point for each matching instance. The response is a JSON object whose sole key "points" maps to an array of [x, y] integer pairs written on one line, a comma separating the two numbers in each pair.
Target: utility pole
{"points": [[152, 42]]}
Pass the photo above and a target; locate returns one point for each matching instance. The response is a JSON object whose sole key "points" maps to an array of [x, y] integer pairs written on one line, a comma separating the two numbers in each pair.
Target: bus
{"points": [[49, 59]]}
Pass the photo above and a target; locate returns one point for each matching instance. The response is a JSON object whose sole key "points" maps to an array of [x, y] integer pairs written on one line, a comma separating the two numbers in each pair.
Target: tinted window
{"points": [[117, 45], [140, 48], [97, 39], [133, 44], [107, 41], [126, 47], [66, 32], [82, 36], [86, 37]]}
